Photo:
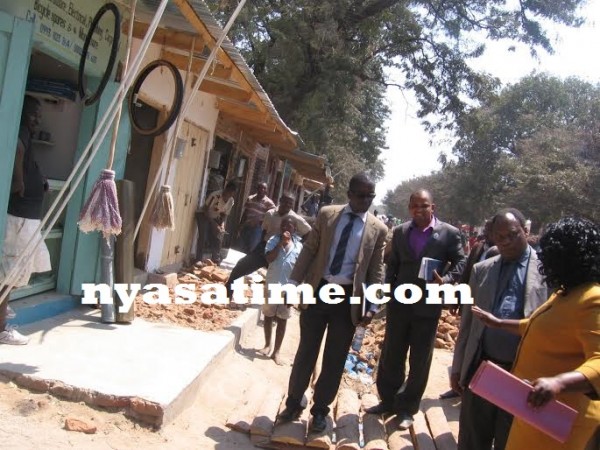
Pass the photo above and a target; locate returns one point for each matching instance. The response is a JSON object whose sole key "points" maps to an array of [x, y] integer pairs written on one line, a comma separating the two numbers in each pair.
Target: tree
{"points": [[322, 62], [534, 146]]}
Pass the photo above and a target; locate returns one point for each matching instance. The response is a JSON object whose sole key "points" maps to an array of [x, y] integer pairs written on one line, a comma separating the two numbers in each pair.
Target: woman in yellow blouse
{"points": [[560, 346]]}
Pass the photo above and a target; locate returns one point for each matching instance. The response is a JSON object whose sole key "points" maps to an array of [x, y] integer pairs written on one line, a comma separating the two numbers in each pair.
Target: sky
{"points": [[413, 152]]}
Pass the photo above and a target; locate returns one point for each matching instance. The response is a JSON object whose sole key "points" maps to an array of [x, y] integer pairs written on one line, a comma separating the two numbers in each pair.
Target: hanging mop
{"points": [[101, 210], [162, 216], [84, 161], [163, 212]]}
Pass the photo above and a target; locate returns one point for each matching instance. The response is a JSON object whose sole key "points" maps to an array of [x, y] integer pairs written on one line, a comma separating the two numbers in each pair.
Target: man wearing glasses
{"points": [[413, 326], [344, 248], [509, 286]]}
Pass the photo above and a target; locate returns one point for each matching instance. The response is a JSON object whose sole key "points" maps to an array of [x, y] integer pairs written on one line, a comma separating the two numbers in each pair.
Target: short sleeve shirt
{"points": [[256, 209], [280, 269], [272, 223], [215, 205]]}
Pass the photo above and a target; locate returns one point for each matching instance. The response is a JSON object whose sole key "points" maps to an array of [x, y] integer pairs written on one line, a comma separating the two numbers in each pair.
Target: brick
{"points": [[63, 390], [72, 424], [220, 275], [146, 408], [170, 279], [110, 401], [207, 272], [35, 384]]}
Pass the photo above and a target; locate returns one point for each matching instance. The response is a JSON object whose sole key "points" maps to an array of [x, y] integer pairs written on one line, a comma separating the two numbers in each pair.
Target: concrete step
{"points": [[151, 371], [41, 306]]}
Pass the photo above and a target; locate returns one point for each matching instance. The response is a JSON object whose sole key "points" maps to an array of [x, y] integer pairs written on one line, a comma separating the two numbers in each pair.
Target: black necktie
{"points": [[340, 251]]}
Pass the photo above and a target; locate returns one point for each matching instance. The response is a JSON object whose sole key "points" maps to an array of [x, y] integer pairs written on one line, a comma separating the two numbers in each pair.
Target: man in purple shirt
{"points": [[413, 327]]}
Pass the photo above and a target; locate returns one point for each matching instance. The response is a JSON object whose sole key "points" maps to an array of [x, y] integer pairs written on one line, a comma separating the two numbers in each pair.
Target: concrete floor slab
{"points": [[151, 370]]}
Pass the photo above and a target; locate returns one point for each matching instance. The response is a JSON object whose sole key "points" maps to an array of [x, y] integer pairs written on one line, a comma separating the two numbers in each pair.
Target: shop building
{"points": [[231, 131]]}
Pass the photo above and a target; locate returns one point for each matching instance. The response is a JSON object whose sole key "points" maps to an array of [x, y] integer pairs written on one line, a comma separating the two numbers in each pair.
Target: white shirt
{"points": [[272, 223], [346, 275]]}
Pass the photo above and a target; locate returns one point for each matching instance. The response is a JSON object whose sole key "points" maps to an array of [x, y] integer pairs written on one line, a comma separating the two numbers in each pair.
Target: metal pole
{"points": [[107, 311]]}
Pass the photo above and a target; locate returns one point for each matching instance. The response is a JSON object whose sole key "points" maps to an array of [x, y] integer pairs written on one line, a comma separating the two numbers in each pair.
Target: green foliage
{"points": [[535, 146], [322, 62]]}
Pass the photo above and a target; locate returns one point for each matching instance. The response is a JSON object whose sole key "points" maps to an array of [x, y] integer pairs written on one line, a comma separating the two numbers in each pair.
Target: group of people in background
{"points": [[536, 307]]}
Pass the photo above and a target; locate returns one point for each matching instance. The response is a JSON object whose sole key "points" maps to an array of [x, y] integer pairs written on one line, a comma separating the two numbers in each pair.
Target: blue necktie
{"points": [[340, 251]]}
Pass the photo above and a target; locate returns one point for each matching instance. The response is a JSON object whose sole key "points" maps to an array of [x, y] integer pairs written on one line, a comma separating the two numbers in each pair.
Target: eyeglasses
{"points": [[510, 236], [368, 196]]}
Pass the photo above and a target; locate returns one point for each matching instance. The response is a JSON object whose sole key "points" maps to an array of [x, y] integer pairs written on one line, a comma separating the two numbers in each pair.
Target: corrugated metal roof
{"points": [[173, 19]]}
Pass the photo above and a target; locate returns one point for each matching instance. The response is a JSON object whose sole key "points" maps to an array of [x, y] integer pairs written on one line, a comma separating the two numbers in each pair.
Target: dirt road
{"points": [[34, 421]]}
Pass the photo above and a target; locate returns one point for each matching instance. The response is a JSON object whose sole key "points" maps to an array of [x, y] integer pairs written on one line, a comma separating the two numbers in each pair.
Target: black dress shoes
{"points": [[449, 394], [380, 408], [405, 421], [288, 414], [318, 424]]}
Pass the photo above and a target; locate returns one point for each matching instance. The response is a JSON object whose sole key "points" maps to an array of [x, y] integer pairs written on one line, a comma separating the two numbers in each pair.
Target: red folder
{"points": [[508, 392]]}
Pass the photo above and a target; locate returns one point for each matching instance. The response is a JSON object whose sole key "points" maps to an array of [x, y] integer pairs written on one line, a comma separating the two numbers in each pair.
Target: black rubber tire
{"points": [[111, 59], [175, 107]]}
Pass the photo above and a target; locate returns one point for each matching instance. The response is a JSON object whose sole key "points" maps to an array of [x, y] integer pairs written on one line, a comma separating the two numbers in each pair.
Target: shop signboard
{"points": [[60, 26]]}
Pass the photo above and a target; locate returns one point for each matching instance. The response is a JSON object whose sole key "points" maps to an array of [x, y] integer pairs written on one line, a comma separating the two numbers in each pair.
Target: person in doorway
{"points": [[345, 248], [211, 219], [250, 230], [511, 287], [413, 326], [27, 191], [281, 252]]}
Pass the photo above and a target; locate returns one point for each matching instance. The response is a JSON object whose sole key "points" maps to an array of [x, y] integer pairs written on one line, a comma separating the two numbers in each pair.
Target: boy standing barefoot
{"points": [[281, 252]]}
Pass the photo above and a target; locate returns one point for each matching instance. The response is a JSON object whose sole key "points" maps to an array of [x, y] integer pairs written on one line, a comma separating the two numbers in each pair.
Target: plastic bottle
{"points": [[359, 335]]}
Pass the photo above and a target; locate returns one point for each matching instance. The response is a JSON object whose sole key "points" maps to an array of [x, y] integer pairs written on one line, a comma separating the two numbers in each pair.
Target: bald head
{"points": [[509, 234]]}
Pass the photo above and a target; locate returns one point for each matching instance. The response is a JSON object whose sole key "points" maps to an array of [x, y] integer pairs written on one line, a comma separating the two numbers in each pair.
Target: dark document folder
{"points": [[508, 392]]}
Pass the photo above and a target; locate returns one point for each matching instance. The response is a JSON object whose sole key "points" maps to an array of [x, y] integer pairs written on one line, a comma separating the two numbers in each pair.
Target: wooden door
{"points": [[185, 188]]}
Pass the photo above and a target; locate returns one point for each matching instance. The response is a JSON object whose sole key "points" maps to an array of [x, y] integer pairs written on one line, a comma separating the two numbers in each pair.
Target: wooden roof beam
{"points": [[274, 139], [223, 88], [169, 38], [181, 62], [190, 15], [261, 126], [243, 111]]}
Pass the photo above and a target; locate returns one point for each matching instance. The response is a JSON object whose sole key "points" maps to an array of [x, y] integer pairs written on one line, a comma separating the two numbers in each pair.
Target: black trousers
{"points": [[313, 322], [482, 424], [248, 264], [404, 331]]}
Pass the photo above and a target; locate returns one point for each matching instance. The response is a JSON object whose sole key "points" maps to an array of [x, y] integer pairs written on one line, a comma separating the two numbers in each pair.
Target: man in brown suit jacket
{"points": [[345, 247]]}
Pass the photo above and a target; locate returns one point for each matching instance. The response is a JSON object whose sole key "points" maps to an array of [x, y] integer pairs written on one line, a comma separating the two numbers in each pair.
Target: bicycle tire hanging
{"points": [[108, 7], [177, 98]]}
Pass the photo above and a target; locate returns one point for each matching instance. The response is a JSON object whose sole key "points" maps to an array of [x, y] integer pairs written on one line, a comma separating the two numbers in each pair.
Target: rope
{"points": [[94, 142]]}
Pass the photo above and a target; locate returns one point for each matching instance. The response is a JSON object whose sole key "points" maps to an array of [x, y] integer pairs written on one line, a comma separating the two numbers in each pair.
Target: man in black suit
{"points": [[414, 326]]}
